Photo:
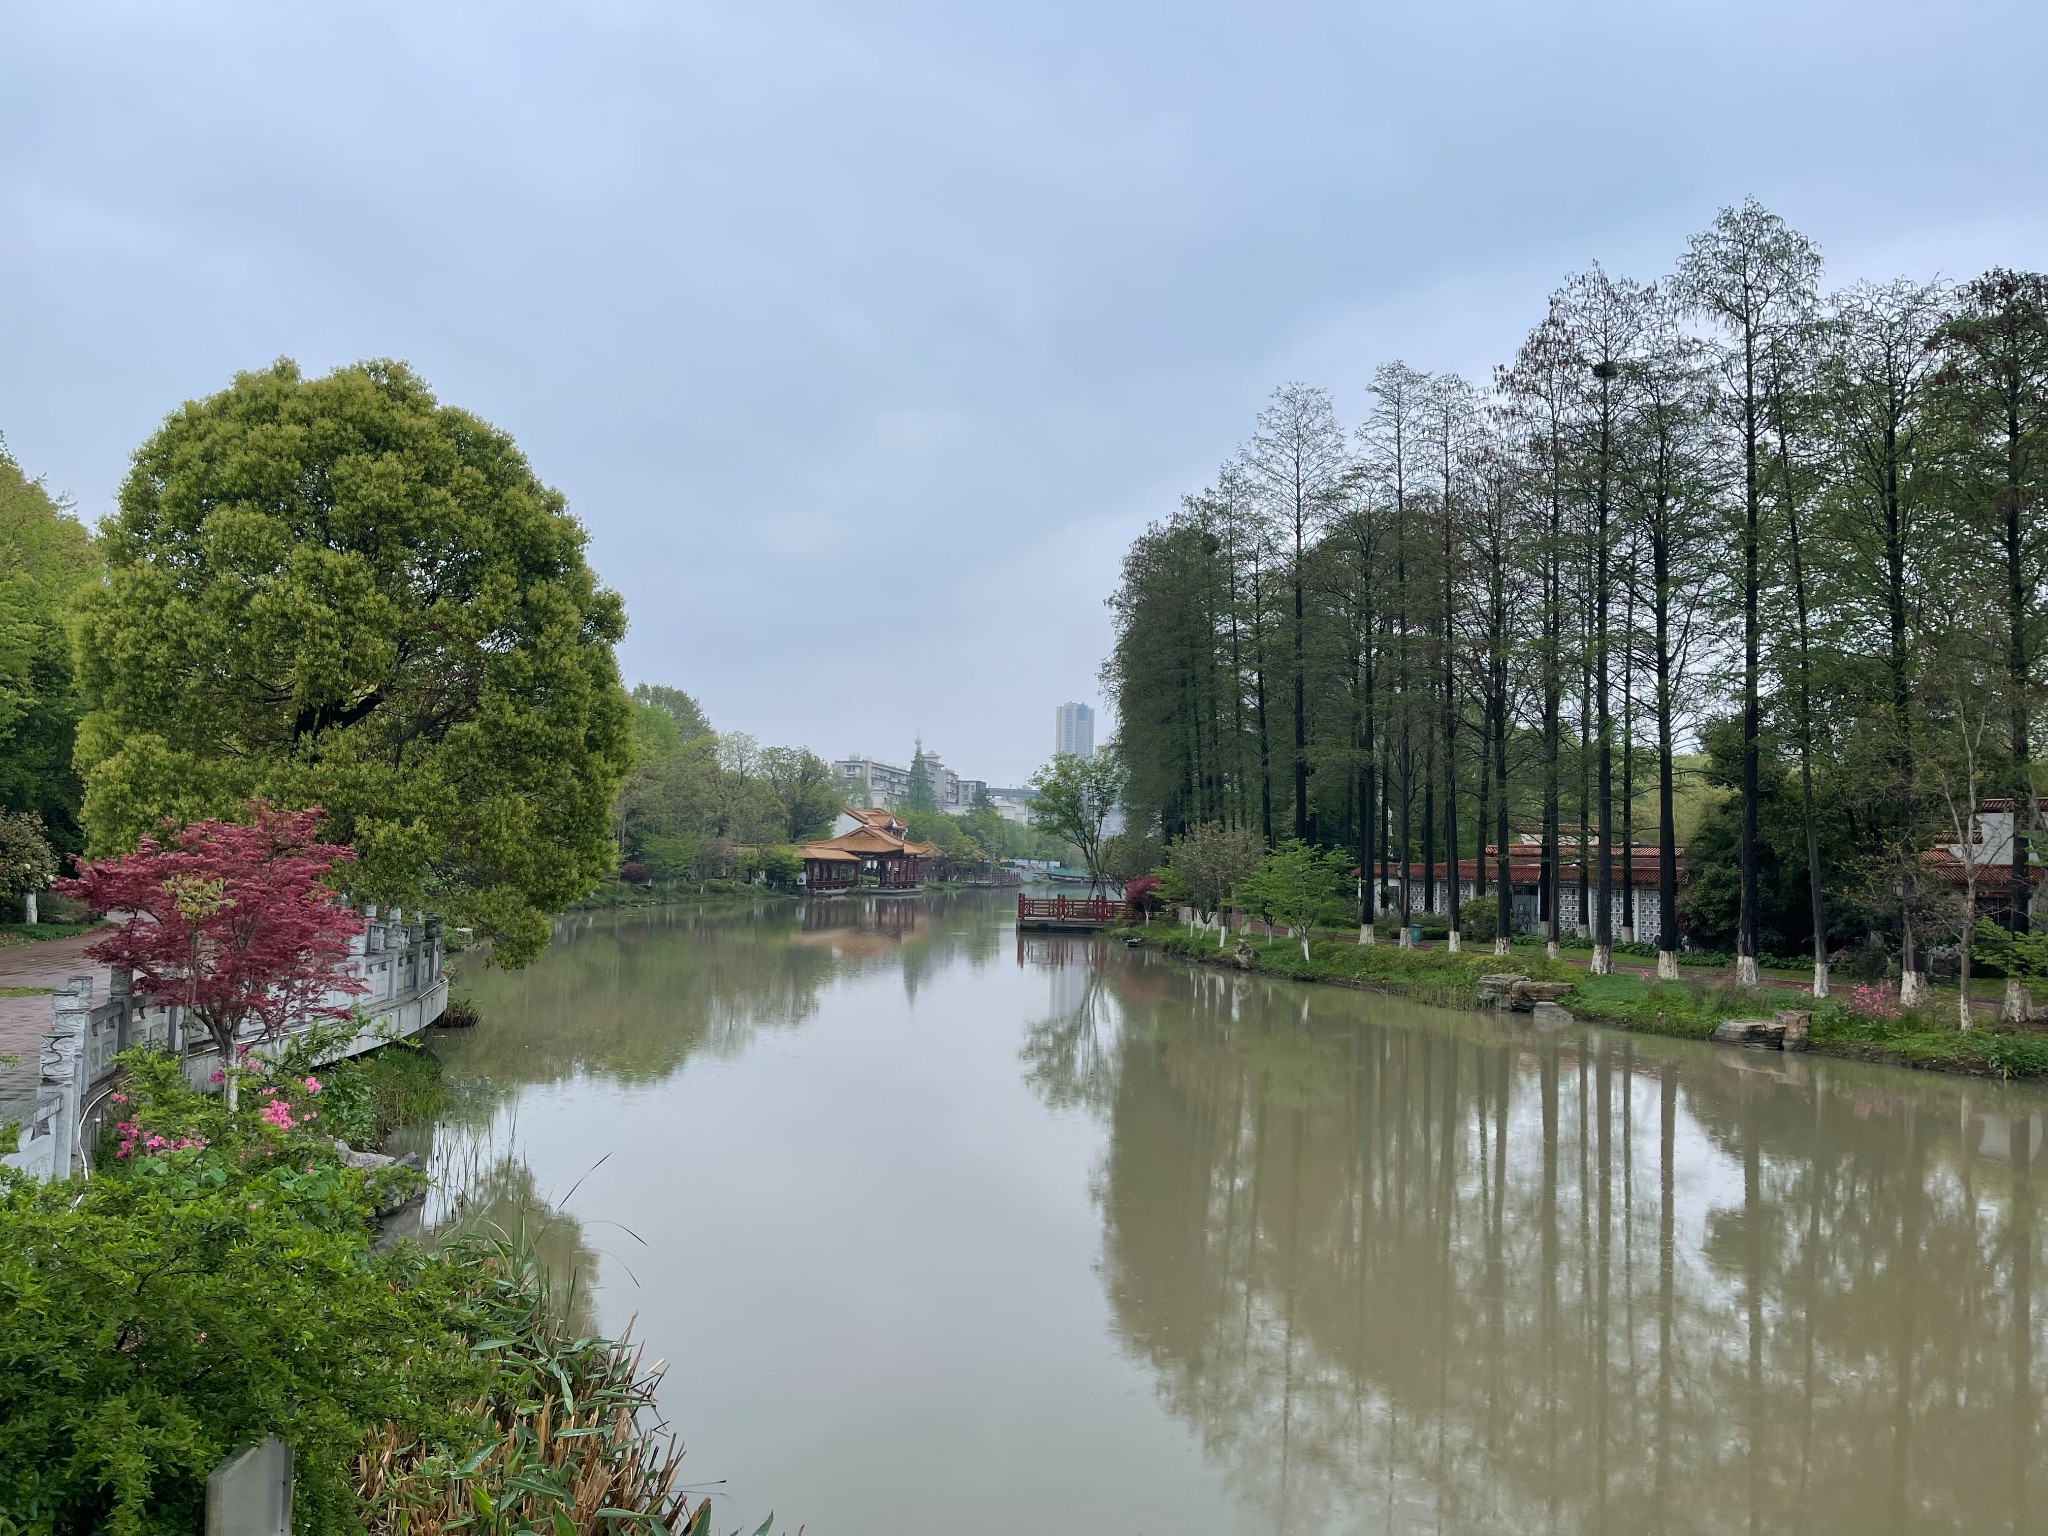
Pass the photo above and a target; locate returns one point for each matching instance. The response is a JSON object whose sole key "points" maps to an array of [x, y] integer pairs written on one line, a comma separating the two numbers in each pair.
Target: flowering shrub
{"points": [[1872, 1001]]}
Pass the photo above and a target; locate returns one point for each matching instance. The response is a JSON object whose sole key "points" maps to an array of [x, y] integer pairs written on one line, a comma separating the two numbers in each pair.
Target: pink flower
{"points": [[312, 1085], [117, 1098], [279, 1114], [218, 1076]]}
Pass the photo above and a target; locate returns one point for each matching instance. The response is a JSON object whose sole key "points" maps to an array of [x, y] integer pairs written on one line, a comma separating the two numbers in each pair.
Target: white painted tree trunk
{"points": [[1667, 965], [1366, 936], [1912, 988], [1603, 959], [28, 907], [1745, 970], [1456, 941], [1500, 946], [2018, 1006], [1820, 978], [1552, 949]]}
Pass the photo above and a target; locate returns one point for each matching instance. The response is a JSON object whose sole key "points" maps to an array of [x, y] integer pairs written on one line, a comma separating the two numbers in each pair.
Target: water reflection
{"points": [[1026, 1231], [1408, 1271], [632, 995]]}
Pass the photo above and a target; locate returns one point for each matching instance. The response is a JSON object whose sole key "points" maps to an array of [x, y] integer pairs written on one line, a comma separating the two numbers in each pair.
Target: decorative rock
{"points": [[1497, 991], [1794, 1024], [1242, 957], [369, 1162], [1529, 993], [1764, 1032]]}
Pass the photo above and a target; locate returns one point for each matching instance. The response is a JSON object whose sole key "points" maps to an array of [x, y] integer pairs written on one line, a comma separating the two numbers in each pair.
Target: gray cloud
{"points": [[863, 338]]}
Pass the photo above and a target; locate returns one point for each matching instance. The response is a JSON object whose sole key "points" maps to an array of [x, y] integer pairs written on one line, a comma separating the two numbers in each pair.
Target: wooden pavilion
{"points": [[878, 853]]}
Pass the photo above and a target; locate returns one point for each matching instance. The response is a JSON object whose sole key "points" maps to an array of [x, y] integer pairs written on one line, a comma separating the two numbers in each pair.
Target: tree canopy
{"points": [[696, 798], [341, 592], [45, 556]]}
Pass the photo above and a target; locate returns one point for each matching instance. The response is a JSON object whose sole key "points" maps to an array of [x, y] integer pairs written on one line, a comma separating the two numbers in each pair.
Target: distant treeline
{"points": [[702, 804]]}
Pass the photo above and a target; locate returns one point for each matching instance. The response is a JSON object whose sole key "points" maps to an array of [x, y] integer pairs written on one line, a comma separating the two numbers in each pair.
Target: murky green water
{"points": [[945, 1233]]}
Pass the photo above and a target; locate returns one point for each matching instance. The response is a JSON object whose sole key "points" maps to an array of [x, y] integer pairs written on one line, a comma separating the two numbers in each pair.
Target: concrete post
{"points": [[250, 1493], [120, 990], [63, 1069]]}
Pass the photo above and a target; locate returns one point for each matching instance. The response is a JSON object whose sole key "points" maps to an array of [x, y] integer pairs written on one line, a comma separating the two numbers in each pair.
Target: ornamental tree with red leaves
{"points": [[234, 922], [1142, 894]]}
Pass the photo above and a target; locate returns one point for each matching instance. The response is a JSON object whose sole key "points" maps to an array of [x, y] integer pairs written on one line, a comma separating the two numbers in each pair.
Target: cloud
{"points": [[863, 339]]}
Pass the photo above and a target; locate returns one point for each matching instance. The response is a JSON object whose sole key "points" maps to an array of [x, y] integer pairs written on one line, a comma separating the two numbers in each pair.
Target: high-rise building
{"points": [[1074, 732]]}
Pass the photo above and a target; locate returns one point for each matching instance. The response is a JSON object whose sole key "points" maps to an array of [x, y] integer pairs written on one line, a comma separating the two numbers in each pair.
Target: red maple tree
{"points": [[233, 921]]}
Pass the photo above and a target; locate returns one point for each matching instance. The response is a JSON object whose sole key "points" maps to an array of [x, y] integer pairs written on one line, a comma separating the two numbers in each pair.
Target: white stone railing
{"points": [[401, 963]]}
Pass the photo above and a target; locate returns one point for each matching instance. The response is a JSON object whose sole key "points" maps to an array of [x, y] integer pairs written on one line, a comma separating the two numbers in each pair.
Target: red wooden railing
{"points": [[1059, 909]]}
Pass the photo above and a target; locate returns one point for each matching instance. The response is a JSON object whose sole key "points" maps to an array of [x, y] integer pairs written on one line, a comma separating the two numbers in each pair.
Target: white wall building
{"points": [[864, 782], [1013, 805]]}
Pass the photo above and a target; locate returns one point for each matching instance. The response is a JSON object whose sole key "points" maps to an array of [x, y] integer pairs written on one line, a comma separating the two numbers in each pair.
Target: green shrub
{"points": [[157, 1317]]}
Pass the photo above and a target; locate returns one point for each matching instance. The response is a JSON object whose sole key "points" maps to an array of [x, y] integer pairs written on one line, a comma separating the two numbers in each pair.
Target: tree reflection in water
{"points": [[1405, 1269], [633, 995]]}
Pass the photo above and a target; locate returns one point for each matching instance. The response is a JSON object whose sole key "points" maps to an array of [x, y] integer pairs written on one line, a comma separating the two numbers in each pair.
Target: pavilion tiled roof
{"points": [[864, 840]]}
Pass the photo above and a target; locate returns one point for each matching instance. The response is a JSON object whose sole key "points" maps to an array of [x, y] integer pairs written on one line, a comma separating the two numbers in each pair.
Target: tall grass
{"points": [[572, 1443]]}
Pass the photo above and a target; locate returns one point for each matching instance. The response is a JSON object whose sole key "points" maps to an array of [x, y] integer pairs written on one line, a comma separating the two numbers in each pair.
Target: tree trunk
{"points": [[1603, 913], [1967, 1017], [1667, 838]]}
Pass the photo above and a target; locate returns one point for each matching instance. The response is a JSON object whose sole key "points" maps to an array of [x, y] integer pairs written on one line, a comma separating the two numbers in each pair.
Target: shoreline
{"points": [[1684, 1010]]}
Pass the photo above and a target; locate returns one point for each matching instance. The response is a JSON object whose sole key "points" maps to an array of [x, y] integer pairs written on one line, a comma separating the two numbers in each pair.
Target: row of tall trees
{"points": [[1725, 513]]}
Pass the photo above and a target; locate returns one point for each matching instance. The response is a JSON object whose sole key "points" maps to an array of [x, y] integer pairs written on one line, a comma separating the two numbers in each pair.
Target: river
{"points": [[945, 1231]]}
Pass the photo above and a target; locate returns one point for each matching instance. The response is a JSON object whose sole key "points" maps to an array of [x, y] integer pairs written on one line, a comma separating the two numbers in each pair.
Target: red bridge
{"points": [[1067, 911]]}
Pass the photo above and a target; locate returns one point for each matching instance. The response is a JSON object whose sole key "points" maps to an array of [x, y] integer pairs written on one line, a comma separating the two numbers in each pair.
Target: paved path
{"points": [[51, 963]]}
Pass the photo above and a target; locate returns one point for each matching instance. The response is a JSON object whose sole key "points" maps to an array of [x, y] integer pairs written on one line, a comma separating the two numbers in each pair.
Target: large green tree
{"points": [[341, 592], [45, 556]]}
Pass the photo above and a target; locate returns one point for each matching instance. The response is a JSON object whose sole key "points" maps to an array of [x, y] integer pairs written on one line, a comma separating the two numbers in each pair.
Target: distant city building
{"points": [[1074, 732], [1013, 804], [864, 782]]}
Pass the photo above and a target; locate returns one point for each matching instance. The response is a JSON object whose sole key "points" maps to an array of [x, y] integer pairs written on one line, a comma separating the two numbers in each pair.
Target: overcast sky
{"points": [[864, 337]]}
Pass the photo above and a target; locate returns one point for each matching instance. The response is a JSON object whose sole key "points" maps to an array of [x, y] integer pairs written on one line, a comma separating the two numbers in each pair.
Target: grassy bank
{"points": [[1863, 1025], [1427, 975], [34, 933]]}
